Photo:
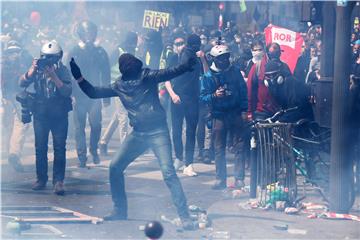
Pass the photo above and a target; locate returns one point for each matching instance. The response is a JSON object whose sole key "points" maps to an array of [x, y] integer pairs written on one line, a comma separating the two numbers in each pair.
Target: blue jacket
{"points": [[235, 100]]}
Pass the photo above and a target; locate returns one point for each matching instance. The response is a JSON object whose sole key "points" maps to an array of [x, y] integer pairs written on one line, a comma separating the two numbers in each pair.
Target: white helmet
{"points": [[52, 49], [218, 50]]}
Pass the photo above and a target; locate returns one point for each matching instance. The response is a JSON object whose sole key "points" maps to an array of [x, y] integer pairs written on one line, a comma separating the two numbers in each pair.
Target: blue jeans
{"points": [[222, 126], [81, 111], [58, 128], [133, 146]]}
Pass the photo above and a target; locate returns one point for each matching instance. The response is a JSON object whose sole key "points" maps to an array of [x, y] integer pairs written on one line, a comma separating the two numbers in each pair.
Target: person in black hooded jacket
{"points": [[138, 92]]}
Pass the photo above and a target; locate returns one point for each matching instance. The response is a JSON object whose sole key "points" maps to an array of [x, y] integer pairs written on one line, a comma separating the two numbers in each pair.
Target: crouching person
{"points": [[138, 92], [50, 106]]}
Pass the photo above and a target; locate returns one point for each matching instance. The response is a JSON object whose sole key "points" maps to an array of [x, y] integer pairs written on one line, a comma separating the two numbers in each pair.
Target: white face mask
{"points": [[257, 55]]}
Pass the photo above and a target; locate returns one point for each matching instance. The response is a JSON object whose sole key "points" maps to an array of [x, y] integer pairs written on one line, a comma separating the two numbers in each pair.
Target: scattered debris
{"points": [[331, 215], [40, 214], [291, 210], [200, 216], [281, 227], [297, 231], [176, 221], [314, 206], [219, 235], [141, 227], [280, 205], [196, 209]]}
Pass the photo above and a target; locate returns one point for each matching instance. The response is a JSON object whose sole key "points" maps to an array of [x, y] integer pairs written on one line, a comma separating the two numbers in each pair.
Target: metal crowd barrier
{"points": [[276, 172]]}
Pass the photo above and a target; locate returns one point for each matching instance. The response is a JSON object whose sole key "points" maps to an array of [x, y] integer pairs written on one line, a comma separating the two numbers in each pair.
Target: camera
{"points": [[227, 91], [27, 101], [42, 62]]}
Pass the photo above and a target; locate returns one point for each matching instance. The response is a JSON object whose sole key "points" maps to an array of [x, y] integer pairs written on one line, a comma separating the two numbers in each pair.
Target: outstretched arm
{"points": [[95, 92], [87, 88], [204, 63], [170, 73]]}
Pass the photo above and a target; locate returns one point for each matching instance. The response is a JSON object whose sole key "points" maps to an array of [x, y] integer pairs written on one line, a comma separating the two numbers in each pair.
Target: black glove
{"points": [[190, 64], [75, 70]]}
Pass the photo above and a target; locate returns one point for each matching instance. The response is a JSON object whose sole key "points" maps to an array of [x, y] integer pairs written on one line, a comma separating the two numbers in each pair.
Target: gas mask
{"points": [[273, 79]]}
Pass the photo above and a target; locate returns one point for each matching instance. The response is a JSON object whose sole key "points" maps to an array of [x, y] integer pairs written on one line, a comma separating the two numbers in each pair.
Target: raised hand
{"points": [[75, 70]]}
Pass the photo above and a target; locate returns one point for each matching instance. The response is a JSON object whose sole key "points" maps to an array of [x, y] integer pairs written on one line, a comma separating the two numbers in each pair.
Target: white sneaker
{"points": [[189, 171], [178, 165]]}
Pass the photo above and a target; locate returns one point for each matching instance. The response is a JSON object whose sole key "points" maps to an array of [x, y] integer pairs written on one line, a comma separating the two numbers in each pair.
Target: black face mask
{"points": [[274, 55], [222, 63], [195, 48]]}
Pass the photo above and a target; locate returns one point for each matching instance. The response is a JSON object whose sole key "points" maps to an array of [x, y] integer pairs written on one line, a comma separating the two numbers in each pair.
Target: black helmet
{"points": [[87, 31]]}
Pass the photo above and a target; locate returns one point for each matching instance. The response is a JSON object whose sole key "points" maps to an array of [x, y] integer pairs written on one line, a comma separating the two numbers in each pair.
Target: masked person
{"points": [[260, 102], [51, 104], [274, 54], [95, 60], [15, 61], [288, 93], [119, 119], [223, 88], [138, 92], [184, 93]]}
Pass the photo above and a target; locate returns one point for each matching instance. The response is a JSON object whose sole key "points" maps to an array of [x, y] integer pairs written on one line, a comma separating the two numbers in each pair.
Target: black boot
{"points": [[82, 161], [59, 188], [39, 185], [219, 185], [96, 159]]}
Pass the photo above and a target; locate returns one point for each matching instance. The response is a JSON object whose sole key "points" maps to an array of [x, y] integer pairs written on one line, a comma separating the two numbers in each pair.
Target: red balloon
{"points": [[35, 18]]}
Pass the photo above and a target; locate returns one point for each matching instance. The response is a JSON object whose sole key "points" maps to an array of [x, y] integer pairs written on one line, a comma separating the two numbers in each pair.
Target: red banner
{"points": [[289, 41]]}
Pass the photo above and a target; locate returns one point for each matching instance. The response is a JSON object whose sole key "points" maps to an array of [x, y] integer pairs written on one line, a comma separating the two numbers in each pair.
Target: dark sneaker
{"points": [[200, 156], [207, 160], [103, 149], [219, 185], [39, 185], [188, 224], [82, 161], [239, 184], [14, 161], [96, 159], [59, 188], [115, 215], [82, 165]]}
